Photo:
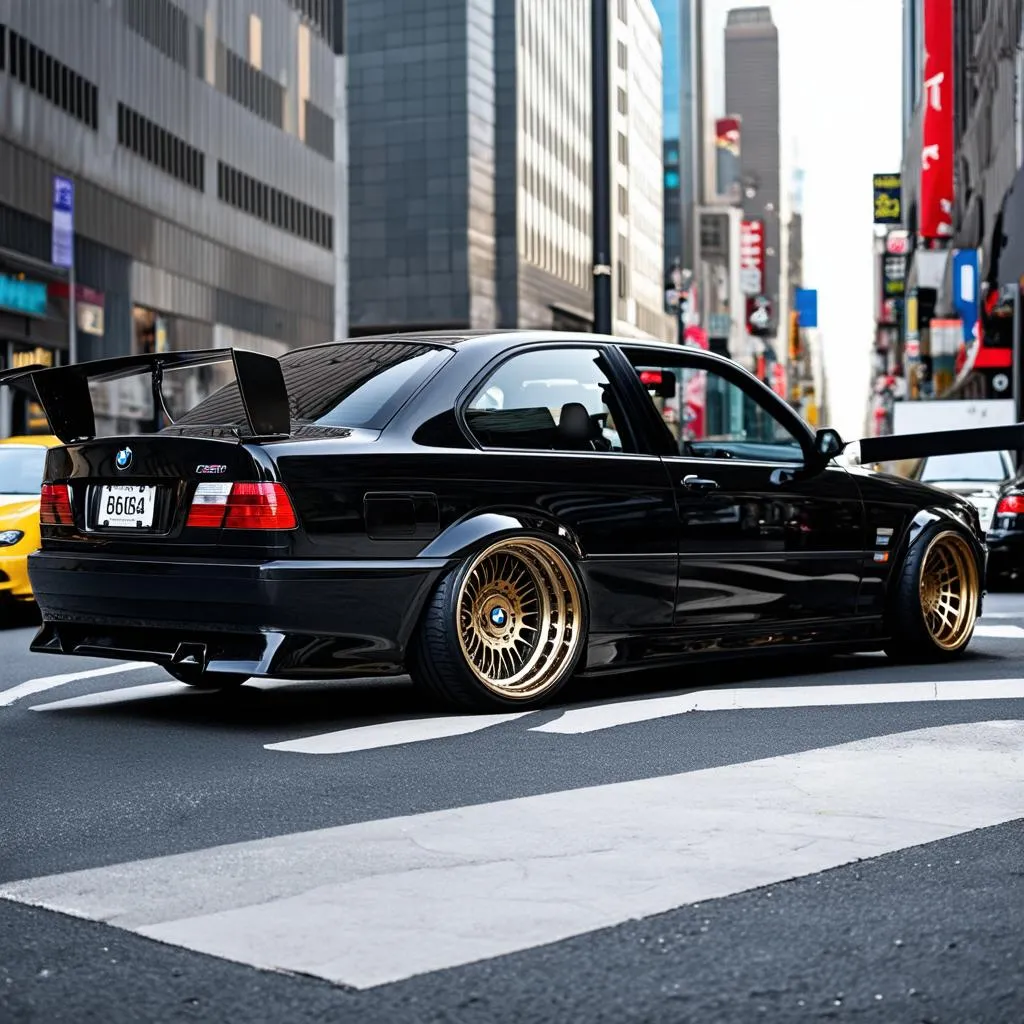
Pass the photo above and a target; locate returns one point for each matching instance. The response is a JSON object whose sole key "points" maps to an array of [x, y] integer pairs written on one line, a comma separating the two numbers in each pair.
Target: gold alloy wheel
{"points": [[949, 590], [520, 619]]}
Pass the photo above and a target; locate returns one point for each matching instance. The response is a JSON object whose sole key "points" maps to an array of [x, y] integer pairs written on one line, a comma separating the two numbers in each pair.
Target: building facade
{"points": [[964, 251], [752, 94], [472, 207], [200, 138]]}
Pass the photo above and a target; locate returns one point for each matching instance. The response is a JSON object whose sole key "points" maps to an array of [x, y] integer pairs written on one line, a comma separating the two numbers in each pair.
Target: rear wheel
{"points": [[937, 599], [504, 630], [205, 680]]}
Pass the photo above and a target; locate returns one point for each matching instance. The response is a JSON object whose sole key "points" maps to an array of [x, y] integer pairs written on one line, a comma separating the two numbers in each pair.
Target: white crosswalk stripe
{"points": [[353, 904]]}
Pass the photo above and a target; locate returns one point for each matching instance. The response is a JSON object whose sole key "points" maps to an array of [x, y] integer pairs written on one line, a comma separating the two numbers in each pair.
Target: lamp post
{"points": [[601, 162]]}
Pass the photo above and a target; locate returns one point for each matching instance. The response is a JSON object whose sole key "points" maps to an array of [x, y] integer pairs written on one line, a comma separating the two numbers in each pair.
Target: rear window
{"points": [[350, 384]]}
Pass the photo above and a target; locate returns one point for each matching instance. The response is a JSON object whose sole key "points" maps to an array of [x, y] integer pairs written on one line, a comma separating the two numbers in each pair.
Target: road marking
{"points": [[392, 734], [596, 717], [997, 632], [352, 904], [31, 686], [147, 691]]}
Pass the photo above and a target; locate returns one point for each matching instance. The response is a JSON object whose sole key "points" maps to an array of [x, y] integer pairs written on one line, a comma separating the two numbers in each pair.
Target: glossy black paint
{"points": [[774, 556]]}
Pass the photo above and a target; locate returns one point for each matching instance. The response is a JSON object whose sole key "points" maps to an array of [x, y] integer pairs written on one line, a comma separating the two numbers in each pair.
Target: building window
{"points": [[671, 179], [51, 79], [162, 24], [623, 201], [623, 101], [319, 131], [161, 148], [624, 11], [623, 149], [271, 205], [623, 56], [322, 15], [252, 89]]}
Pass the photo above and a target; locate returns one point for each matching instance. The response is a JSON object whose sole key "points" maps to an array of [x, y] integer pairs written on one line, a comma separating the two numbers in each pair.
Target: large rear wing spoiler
{"points": [[63, 391], [896, 447]]}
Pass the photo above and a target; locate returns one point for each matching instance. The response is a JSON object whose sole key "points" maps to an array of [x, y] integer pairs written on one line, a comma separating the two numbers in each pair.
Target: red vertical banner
{"points": [[936, 203]]}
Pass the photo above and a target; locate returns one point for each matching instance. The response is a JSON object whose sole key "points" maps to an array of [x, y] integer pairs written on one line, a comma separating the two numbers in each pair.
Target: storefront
{"points": [[33, 329]]}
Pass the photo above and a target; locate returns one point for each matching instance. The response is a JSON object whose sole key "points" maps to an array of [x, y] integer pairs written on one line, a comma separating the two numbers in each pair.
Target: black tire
{"points": [[930, 621], [452, 655], [206, 680]]}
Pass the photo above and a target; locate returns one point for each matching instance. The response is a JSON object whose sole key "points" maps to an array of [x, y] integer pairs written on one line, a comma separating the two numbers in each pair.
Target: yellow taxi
{"points": [[21, 477]]}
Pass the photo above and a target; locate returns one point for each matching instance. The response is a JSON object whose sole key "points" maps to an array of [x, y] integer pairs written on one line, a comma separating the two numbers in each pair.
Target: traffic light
{"points": [[794, 337]]}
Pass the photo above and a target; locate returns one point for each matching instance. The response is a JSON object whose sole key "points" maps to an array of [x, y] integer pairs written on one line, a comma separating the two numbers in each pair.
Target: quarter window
{"points": [[550, 399], [711, 417]]}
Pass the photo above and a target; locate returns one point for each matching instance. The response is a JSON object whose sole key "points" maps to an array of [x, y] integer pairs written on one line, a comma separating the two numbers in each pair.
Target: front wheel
{"points": [[205, 680], [503, 631], [936, 600]]}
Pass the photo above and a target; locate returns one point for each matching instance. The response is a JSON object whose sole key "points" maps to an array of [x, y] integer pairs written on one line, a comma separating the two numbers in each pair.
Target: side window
{"points": [[711, 417], [549, 399]]}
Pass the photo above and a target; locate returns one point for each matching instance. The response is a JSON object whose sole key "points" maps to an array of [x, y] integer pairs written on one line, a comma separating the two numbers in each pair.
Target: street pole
{"points": [[72, 317], [601, 159]]}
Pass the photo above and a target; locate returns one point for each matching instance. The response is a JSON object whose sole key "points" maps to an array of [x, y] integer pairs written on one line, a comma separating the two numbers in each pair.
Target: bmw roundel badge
{"points": [[498, 616], [123, 459]]}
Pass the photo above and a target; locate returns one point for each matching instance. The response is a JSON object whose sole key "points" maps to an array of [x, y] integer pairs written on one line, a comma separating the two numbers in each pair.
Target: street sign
{"points": [[63, 245], [807, 306]]}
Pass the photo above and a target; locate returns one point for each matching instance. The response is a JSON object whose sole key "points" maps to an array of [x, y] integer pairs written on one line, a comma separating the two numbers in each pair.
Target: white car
{"points": [[976, 477]]}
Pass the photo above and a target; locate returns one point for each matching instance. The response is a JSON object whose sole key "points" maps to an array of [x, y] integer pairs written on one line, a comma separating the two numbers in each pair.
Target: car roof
{"points": [[512, 337]]}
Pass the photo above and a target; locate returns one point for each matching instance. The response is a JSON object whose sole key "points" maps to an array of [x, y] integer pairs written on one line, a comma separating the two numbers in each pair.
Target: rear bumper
{"points": [[288, 618]]}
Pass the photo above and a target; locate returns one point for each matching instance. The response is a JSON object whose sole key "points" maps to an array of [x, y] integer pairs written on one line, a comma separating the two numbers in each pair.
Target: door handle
{"points": [[698, 483]]}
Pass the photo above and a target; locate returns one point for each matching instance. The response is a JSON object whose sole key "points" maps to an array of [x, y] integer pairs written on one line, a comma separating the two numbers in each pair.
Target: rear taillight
{"points": [[242, 506], [1012, 504], [55, 506]]}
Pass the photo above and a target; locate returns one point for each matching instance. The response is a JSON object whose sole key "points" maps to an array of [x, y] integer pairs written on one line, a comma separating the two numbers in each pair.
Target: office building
{"points": [[470, 164], [200, 140], [752, 94]]}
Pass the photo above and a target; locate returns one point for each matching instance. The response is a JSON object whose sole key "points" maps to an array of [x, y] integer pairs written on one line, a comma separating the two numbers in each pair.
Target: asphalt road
{"points": [[840, 840]]}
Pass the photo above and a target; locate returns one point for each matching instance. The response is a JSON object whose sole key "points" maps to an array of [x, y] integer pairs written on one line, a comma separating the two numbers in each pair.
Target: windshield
{"points": [[21, 470], [982, 467]]}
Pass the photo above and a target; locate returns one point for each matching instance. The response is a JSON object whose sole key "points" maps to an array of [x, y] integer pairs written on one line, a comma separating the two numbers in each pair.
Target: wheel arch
{"points": [[916, 534], [482, 529]]}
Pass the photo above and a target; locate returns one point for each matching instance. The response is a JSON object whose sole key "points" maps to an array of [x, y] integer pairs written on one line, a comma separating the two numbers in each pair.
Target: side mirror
{"points": [[828, 444]]}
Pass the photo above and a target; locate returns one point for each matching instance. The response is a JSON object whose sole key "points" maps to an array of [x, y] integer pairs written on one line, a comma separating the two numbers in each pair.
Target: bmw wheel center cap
{"points": [[498, 616], [123, 459]]}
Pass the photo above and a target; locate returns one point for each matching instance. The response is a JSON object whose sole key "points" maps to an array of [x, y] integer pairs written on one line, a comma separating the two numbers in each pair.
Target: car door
{"points": [[550, 422], [762, 546]]}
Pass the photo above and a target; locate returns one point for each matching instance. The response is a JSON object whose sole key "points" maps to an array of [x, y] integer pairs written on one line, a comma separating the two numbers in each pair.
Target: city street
{"points": [[843, 841]]}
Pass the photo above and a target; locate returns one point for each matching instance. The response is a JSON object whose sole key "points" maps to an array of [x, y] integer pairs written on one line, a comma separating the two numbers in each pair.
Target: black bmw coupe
{"points": [[491, 512]]}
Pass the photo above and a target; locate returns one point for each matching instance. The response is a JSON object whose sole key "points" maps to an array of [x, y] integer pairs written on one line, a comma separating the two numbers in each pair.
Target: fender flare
{"points": [[468, 535], [914, 536]]}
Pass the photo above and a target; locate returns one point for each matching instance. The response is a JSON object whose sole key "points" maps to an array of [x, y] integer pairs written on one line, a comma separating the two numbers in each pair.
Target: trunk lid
{"points": [[136, 494]]}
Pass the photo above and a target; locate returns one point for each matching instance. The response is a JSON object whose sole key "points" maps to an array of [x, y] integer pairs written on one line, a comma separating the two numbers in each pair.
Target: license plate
{"points": [[126, 506]]}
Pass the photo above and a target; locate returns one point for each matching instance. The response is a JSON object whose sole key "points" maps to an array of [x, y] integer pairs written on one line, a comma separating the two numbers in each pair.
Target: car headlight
{"points": [[9, 537]]}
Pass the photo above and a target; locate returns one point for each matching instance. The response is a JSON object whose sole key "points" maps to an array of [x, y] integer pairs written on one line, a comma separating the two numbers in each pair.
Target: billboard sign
{"points": [[965, 289], [936, 196], [888, 189], [806, 303], [751, 257], [894, 275], [727, 156]]}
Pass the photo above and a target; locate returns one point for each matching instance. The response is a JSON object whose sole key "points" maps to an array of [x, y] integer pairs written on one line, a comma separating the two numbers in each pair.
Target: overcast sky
{"points": [[840, 84]]}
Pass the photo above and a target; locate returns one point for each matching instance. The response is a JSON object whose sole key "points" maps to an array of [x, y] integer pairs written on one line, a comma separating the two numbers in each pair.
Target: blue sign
{"points": [[807, 306], [28, 297], [63, 246], [965, 289]]}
